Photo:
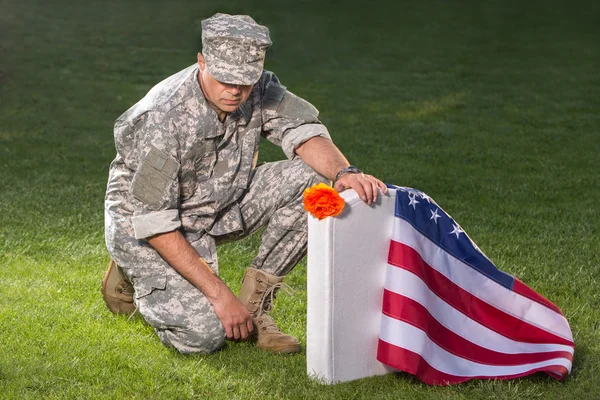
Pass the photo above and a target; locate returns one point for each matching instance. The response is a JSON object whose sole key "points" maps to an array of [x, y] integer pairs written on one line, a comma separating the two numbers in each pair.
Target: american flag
{"points": [[449, 315]]}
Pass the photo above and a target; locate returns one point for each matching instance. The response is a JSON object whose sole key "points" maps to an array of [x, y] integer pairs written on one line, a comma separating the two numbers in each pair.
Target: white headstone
{"points": [[347, 258]]}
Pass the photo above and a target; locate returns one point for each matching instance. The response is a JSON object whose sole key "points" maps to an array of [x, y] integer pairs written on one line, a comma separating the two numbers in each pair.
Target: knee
{"points": [[201, 341], [189, 331], [316, 178], [306, 176], [313, 176]]}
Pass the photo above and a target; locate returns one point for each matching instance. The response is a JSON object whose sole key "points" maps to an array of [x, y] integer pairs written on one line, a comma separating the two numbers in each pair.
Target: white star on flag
{"points": [[457, 231], [425, 197], [413, 202], [435, 215]]}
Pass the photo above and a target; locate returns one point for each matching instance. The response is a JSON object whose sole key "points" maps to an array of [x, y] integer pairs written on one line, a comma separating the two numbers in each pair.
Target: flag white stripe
{"points": [[406, 336], [409, 285], [479, 285]]}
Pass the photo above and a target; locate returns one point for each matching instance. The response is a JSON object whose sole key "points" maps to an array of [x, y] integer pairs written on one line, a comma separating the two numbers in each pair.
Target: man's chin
{"points": [[229, 107]]}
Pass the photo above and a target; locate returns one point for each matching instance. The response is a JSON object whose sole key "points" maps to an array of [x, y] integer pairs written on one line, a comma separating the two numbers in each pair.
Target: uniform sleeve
{"points": [[288, 120], [155, 185]]}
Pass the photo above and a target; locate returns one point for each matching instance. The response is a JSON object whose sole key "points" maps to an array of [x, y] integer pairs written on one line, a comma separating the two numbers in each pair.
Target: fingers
{"points": [[366, 186], [382, 186], [351, 180], [236, 320], [372, 184], [239, 331], [339, 186], [361, 193], [377, 184], [236, 332], [245, 329], [228, 331]]}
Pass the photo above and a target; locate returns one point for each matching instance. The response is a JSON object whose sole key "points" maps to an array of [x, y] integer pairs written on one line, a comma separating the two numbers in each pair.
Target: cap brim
{"points": [[226, 72]]}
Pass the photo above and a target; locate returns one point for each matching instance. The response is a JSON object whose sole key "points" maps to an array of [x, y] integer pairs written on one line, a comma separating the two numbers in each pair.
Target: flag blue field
{"points": [[449, 315]]}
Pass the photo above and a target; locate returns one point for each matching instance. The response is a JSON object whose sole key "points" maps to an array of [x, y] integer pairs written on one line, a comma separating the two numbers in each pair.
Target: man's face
{"points": [[226, 97]]}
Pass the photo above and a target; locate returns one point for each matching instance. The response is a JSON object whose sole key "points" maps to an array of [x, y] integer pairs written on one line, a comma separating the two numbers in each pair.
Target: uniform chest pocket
{"points": [[204, 159], [249, 158], [204, 166], [196, 170]]}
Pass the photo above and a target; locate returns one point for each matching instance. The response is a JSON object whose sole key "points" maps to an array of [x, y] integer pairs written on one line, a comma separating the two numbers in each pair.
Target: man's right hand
{"points": [[234, 316]]}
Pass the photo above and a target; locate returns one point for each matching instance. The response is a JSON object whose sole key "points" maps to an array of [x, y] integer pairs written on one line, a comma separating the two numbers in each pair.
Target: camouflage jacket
{"points": [[178, 166]]}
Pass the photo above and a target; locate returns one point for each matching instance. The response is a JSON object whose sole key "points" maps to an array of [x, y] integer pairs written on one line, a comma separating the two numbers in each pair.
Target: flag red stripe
{"points": [[413, 363], [407, 258], [526, 291], [409, 311]]}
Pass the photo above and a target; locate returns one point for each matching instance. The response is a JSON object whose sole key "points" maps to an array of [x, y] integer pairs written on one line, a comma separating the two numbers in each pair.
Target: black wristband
{"points": [[352, 169]]}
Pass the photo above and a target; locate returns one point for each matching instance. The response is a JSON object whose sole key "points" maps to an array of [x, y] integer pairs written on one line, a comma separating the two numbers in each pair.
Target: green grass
{"points": [[492, 108]]}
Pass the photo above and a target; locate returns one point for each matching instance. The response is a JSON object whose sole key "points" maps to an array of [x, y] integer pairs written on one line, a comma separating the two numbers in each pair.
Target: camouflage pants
{"points": [[180, 314]]}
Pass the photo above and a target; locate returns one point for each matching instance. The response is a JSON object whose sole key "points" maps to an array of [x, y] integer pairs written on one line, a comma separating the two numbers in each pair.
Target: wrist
{"points": [[220, 293], [349, 169]]}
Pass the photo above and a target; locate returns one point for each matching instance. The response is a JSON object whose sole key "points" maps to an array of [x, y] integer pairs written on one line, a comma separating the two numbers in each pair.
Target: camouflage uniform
{"points": [[179, 167]]}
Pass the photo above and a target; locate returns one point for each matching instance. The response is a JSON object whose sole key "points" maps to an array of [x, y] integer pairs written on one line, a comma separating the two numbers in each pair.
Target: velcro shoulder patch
{"points": [[153, 177]]}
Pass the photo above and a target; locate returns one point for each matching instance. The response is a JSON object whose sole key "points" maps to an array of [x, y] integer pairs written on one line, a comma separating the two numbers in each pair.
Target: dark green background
{"points": [[492, 108]]}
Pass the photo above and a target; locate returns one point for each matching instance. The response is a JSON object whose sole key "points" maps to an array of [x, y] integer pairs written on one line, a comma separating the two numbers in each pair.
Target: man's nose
{"points": [[233, 89]]}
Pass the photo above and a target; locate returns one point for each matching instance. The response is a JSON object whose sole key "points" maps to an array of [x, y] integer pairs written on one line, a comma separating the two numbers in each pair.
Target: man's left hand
{"points": [[365, 185]]}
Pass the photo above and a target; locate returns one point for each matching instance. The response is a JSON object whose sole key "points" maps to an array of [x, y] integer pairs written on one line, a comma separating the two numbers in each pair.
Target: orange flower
{"points": [[322, 201]]}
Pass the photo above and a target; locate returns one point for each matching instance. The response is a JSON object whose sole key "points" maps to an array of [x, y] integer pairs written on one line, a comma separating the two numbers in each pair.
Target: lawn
{"points": [[492, 108]]}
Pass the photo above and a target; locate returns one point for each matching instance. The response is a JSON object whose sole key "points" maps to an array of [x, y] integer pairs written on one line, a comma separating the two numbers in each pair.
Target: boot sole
{"points": [[282, 350]]}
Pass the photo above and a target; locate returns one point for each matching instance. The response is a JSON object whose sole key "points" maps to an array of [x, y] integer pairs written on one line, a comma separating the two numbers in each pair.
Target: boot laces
{"points": [[266, 304], [266, 323], [125, 288], [135, 310]]}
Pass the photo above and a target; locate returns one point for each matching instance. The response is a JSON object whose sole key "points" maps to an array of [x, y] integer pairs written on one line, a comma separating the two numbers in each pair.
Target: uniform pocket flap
{"points": [[147, 284]]}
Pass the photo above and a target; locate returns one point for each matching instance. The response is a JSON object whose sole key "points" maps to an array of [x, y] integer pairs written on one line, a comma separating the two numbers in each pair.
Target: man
{"points": [[185, 180]]}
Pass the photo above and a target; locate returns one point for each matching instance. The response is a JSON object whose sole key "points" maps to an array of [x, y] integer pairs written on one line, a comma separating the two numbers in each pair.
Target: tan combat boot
{"points": [[117, 291], [257, 294]]}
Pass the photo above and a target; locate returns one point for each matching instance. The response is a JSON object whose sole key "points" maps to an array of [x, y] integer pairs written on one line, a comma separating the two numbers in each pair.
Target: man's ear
{"points": [[201, 62]]}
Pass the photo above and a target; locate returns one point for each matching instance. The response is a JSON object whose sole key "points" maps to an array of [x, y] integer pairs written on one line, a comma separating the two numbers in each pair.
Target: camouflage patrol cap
{"points": [[234, 48]]}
